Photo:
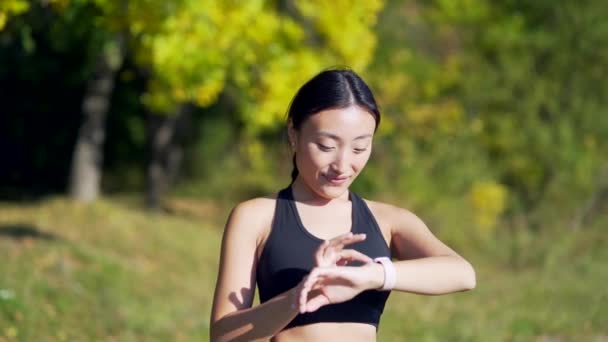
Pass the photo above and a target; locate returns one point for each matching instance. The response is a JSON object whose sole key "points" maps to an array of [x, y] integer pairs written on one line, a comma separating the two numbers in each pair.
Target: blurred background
{"points": [[129, 129]]}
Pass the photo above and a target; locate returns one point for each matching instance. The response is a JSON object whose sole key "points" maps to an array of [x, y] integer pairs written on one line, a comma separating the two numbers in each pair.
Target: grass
{"points": [[111, 271]]}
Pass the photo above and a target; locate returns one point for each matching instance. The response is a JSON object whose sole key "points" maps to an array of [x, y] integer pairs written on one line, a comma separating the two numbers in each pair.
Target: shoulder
{"points": [[252, 217], [393, 216], [255, 208], [410, 236]]}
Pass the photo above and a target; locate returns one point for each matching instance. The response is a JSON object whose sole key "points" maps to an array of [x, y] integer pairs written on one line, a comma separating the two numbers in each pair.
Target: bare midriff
{"points": [[352, 332]]}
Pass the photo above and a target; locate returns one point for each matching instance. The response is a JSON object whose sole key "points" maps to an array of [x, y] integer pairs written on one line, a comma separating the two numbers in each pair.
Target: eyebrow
{"points": [[335, 137]]}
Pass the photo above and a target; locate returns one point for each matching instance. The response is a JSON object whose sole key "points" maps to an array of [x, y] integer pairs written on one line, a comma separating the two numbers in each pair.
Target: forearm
{"points": [[431, 275], [257, 323]]}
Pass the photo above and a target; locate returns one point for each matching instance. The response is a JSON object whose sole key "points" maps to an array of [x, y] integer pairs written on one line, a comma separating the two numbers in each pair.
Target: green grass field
{"points": [[111, 271]]}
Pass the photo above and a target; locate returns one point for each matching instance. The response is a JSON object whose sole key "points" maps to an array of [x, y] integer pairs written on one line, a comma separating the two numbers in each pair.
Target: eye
{"points": [[324, 148], [360, 150]]}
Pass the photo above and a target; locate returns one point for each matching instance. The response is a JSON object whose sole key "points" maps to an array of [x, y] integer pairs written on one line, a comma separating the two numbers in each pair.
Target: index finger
{"points": [[353, 255], [336, 244], [346, 239]]}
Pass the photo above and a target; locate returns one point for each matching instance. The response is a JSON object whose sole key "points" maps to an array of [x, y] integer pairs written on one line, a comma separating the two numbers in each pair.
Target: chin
{"points": [[330, 191]]}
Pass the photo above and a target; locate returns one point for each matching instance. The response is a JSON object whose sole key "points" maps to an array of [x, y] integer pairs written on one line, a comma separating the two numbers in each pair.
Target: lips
{"points": [[337, 180]]}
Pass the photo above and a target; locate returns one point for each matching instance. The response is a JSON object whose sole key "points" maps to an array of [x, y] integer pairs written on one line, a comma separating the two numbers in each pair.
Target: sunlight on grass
{"points": [[107, 271], [104, 272]]}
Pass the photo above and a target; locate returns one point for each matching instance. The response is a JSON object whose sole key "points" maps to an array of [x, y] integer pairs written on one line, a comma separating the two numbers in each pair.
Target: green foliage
{"points": [[426, 155], [492, 110], [193, 51], [506, 93], [263, 54], [543, 115]]}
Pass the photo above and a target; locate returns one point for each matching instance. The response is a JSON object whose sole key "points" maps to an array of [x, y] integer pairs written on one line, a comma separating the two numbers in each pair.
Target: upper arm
{"points": [[235, 287], [412, 239]]}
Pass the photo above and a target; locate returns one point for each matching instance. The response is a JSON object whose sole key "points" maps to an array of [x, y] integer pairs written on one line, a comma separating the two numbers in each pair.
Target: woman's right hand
{"points": [[332, 253], [337, 284], [329, 255]]}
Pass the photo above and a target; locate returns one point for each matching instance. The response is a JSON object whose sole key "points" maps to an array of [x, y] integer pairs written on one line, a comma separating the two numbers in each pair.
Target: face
{"points": [[332, 147]]}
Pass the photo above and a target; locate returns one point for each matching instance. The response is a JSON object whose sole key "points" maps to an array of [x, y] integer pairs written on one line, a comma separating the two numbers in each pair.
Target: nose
{"points": [[341, 163]]}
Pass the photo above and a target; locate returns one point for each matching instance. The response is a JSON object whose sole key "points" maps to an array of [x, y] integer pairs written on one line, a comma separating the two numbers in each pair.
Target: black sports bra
{"points": [[288, 256]]}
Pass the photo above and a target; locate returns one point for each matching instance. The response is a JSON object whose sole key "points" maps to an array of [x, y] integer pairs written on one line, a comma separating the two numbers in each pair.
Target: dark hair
{"points": [[330, 89]]}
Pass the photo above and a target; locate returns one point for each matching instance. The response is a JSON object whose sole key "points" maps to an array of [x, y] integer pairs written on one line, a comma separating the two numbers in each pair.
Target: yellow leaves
{"points": [[291, 30], [59, 4], [477, 125], [394, 87], [262, 30], [421, 114], [489, 200], [200, 43], [157, 99], [11, 332], [429, 118], [192, 48], [255, 151], [206, 94], [11, 8], [346, 26], [465, 10], [164, 97], [451, 71], [14, 6], [188, 59], [290, 61], [278, 84]]}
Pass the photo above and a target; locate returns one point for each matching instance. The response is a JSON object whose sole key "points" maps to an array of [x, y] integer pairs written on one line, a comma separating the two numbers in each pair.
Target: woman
{"points": [[292, 244]]}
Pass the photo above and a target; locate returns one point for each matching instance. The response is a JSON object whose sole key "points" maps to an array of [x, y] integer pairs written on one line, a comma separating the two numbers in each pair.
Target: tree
{"points": [[87, 160], [190, 52], [544, 114], [528, 80], [258, 52]]}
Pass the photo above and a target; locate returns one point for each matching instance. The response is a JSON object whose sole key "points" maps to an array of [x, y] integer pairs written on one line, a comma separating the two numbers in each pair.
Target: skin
{"points": [[332, 147]]}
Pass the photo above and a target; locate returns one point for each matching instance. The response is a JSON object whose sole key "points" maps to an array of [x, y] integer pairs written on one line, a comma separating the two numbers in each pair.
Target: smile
{"points": [[336, 180]]}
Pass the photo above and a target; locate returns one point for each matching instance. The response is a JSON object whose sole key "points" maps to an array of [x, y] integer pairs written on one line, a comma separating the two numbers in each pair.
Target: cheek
{"points": [[318, 159], [311, 159], [361, 160], [360, 163]]}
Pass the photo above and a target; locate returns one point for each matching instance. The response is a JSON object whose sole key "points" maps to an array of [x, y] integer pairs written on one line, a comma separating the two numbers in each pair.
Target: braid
{"points": [[294, 172]]}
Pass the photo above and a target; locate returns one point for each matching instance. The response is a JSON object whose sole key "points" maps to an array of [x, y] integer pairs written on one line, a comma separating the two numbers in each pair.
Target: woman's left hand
{"points": [[337, 284], [332, 253]]}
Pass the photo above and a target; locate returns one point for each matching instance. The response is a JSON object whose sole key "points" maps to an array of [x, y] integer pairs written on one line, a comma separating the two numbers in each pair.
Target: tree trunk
{"points": [[87, 160], [164, 133]]}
